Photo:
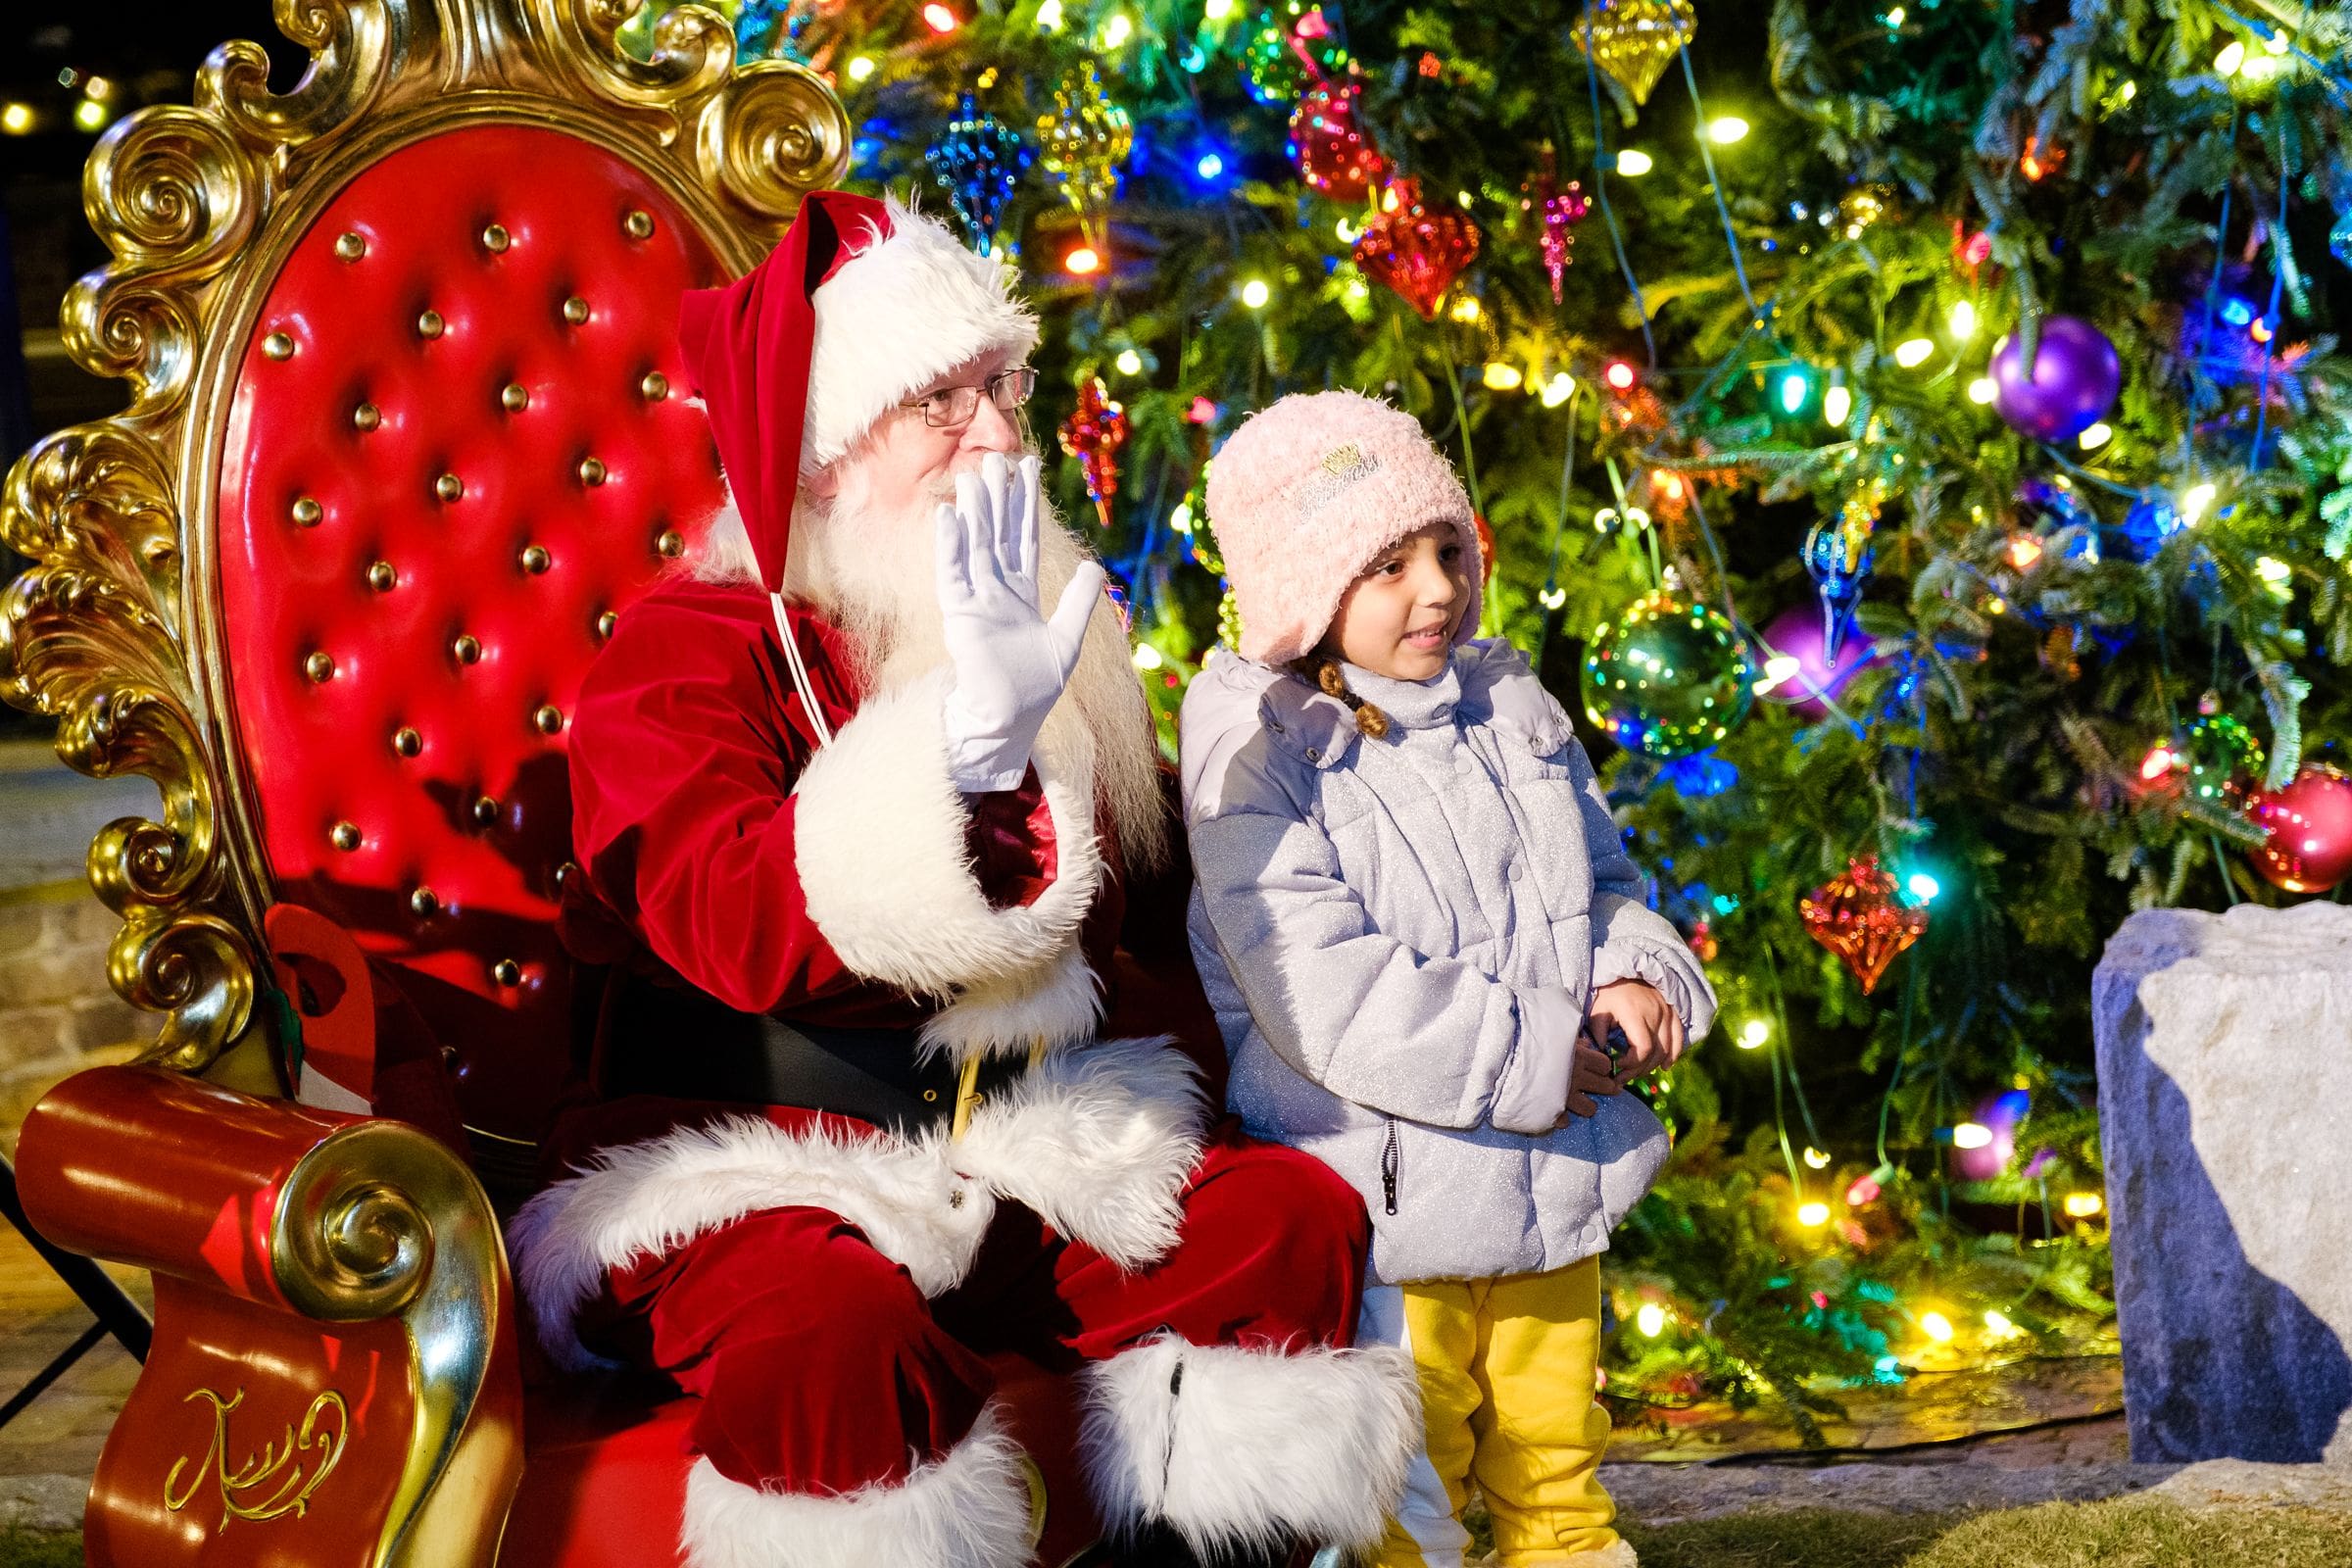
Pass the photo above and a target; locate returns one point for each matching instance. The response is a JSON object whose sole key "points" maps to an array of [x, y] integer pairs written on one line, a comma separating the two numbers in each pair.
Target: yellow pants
{"points": [[1508, 1384]]}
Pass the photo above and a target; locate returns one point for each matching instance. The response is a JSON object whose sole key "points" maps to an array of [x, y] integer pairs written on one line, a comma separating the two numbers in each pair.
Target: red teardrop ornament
{"points": [[1329, 144], [1415, 249]]}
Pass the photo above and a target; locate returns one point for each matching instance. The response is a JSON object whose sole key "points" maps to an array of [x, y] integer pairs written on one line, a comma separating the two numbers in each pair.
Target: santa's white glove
{"points": [[1010, 662]]}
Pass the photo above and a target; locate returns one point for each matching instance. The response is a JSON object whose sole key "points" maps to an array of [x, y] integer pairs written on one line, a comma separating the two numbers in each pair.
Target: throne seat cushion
{"points": [[459, 445]]}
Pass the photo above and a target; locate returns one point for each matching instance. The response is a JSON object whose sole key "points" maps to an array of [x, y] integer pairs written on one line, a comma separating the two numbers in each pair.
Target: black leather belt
{"points": [[689, 1046]]}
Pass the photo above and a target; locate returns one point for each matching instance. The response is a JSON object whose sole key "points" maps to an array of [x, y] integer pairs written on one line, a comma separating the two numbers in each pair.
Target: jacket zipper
{"points": [[1391, 1160]]}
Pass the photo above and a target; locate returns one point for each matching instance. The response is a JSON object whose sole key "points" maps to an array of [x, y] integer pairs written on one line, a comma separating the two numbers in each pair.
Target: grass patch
{"points": [[2125, 1533], [1810, 1537], [2145, 1534], [41, 1548]]}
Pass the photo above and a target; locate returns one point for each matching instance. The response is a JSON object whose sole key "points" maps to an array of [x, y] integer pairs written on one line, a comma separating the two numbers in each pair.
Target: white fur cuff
{"points": [[879, 843], [971, 1509], [1240, 1449], [647, 1198], [1099, 1142], [1059, 1003]]}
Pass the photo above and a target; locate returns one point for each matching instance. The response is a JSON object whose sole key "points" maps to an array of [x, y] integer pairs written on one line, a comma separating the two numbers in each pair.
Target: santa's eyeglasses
{"points": [[951, 406]]}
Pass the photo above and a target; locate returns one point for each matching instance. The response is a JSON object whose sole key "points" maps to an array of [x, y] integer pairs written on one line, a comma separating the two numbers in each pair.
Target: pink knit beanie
{"points": [[1307, 494]]}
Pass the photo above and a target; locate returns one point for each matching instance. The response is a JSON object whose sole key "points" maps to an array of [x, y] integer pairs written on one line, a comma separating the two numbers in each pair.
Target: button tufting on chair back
{"points": [[459, 445]]}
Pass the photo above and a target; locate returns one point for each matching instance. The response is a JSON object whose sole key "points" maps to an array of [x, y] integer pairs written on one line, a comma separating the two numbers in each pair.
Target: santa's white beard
{"points": [[870, 573]]}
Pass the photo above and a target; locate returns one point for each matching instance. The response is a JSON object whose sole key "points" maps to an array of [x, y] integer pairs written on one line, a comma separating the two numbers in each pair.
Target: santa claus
{"points": [[878, 853]]}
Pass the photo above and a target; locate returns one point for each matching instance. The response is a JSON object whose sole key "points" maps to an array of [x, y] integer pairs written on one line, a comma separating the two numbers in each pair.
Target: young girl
{"points": [[1414, 918]]}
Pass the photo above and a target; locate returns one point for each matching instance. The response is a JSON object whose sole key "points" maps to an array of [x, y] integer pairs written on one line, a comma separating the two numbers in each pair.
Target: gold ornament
{"points": [[1085, 141], [1635, 40], [1861, 208]]}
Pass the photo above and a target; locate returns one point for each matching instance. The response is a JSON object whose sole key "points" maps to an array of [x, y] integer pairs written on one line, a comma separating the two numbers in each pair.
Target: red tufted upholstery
{"points": [[415, 557]]}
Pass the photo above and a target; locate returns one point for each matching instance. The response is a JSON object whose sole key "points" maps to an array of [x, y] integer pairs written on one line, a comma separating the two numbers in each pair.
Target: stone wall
{"points": [[56, 1012]]}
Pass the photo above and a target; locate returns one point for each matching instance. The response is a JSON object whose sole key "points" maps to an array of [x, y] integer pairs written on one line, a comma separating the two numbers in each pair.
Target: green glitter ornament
{"points": [[1288, 43], [2223, 757], [1667, 677]]}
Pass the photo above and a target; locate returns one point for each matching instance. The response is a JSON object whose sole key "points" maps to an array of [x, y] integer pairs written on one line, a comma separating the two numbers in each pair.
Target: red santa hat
{"points": [[863, 302]]}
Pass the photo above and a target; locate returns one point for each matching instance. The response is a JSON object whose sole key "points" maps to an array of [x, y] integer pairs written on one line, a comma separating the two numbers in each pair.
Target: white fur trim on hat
{"points": [[1251, 1450], [971, 1509], [898, 314]]}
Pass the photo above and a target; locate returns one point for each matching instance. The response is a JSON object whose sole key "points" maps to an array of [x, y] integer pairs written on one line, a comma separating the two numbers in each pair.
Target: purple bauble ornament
{"points": [[2076, 377], [1798, 633], [2000, 1115]]}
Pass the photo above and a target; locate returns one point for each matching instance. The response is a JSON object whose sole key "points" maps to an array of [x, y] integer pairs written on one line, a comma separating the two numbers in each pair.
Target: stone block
{"points": [[25, 927], [87, 923], [52, 974], [31, 1034], [103, 1022], [2225, 1061]]}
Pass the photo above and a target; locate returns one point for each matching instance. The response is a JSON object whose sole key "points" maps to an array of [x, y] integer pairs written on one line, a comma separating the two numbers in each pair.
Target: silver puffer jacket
{"points": [[1401, 936]]}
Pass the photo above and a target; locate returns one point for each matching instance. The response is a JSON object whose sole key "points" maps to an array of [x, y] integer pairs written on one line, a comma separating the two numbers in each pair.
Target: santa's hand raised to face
{"points": [[1009, 661]]}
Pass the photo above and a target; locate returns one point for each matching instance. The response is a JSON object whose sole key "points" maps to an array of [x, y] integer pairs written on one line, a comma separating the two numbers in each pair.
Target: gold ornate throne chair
{"points": [[406, 435]]}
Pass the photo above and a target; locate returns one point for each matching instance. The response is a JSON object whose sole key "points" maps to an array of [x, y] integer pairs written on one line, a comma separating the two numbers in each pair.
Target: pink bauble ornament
{"points": [[2074, 379], [2000, 1115], [2310, 827], [1798, 633]]}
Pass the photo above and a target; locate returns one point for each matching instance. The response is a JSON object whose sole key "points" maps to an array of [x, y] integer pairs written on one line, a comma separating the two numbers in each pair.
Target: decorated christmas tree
{"points": [[1913, 439]]}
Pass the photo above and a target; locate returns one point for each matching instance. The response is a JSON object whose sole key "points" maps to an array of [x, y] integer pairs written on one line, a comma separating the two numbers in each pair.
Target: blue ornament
{"points": [[2055, 509], [770, 29], [2149, 523], [1696, 777], [977, 162], [2055, 505], [2340, 238], [754, 29], [1838, 565]]}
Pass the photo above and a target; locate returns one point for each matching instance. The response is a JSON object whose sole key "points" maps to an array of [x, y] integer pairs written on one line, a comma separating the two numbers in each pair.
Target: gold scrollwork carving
{"points": [[352, 45], [270, 1484], [376, 1221], [91, 635], [177, 196], [765, 141], [694, 49]]}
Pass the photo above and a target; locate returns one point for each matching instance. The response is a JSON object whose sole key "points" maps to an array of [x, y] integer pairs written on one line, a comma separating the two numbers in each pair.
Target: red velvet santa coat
{"points": [[854, 885]]}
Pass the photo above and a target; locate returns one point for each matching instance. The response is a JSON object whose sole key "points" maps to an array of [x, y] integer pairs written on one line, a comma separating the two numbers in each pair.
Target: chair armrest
{"points": [[292, 1245], [143, 1166]]}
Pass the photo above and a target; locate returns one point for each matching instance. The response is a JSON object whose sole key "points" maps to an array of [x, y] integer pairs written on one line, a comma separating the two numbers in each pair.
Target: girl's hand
{"points": [[1653, 1030], [1589, 1074]]}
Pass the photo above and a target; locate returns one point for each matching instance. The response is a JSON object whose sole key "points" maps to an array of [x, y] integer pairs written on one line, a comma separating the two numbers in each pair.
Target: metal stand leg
{"points": [[117, 1313]]}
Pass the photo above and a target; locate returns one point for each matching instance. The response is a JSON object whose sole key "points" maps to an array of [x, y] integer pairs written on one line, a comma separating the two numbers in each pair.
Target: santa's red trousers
{"points": [[822, 1368]]}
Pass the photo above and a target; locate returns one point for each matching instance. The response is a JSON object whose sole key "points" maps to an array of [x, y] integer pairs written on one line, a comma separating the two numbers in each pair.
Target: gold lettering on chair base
{"points": [[272, 1483]]}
